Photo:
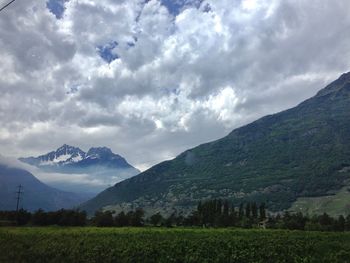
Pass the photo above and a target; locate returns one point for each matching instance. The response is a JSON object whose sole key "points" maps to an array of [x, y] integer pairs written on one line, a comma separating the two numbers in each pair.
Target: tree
{"points": [[347, 223], [340, 224], [226, 208], [136, 218], [121, 220], [69, 217], [241, 211], [225, 217], [156, 219], [168, 222], [194, 219], [294, 221], [254, 209], [247, 210], [103, 219], [325, 221], [218, 207], [23, 217], [232, 216], [200, 207], [262, 211], [40, 218]]}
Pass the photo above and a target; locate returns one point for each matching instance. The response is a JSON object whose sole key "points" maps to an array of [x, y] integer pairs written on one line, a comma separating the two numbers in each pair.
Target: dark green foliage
{"points": [[61, 218], [103, 219], [218, 213], [262, 211], [20, 218], [347, 223], [106, 219], [301, 152], [294, 221], [193, 219], [149, 245], [339, 225], [247, 210], [254, 210], [210, 213], [169, 221], [156, 219], [121, 219], [136, 218], [207, 215], [241, 211], [298, 221]]}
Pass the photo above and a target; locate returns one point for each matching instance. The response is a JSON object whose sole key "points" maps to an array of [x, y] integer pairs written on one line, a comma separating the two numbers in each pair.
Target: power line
{"points": [[2, 8]]}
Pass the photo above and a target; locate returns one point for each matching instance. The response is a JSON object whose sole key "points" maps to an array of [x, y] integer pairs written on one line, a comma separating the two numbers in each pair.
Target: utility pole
{"points": [[19, 192]]}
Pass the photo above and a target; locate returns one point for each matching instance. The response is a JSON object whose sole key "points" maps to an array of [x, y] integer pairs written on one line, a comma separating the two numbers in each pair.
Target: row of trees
{"points": [[132, 218], [41, 218], [218, 213], [72, 218], [298, 221], [211, 213], [222, 213]]}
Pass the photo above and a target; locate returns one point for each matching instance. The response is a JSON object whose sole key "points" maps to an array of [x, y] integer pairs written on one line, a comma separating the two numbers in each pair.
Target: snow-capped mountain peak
{"points": [[98, 163], [67, 155], [100, 153]]}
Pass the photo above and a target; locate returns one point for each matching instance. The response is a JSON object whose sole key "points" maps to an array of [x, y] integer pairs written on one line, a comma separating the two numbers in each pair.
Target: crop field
{"points": [[55, 244]]}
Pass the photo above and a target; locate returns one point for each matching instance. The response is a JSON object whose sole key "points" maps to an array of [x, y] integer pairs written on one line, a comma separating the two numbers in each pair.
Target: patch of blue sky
{"points": [[107, 52], [56, 7], [175, 7], [171, 91]]}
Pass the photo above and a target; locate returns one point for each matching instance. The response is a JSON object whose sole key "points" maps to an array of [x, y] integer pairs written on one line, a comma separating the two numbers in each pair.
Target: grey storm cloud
{"points": [[180, 75]]}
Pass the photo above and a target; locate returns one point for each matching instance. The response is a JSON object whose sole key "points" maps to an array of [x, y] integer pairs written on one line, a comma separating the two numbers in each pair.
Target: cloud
{"points": [[11, 162], [88, 184], [152, 78]]}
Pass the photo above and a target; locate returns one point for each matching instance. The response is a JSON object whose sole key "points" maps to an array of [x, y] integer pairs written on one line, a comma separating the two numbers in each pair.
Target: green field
{"points": [[334, 205], [170, 245]]}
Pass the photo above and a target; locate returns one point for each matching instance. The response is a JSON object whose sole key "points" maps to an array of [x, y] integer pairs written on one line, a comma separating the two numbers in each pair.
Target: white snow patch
{"points": [[59, 159], [77, 159]]}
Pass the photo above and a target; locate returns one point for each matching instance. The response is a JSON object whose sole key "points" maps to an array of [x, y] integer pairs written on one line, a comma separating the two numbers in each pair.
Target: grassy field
{"points": [[170, 245], [334, 205]]}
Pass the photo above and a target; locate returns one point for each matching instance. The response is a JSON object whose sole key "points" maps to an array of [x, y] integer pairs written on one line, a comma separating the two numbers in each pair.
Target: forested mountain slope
{"points": [[300, 152]]}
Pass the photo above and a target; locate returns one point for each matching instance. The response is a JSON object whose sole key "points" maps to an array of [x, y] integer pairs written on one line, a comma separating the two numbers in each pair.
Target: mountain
{"points": [[303, 152], [72, 157], [98, 165], [36, 194], [65, 155]]}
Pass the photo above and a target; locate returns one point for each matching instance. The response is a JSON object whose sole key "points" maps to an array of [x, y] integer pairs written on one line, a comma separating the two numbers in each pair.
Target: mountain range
{"points": [[98, 164], [285, 160]]}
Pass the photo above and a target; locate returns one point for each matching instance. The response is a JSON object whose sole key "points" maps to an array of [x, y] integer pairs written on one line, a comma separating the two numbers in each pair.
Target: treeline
{"points": [[211, 213], [218, 213], [41, 218], [106, 219], [222, 213], [298, 221]]}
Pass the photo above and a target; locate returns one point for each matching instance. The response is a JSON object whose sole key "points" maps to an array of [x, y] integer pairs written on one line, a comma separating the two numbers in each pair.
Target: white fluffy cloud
{"points": [[173, 78]]}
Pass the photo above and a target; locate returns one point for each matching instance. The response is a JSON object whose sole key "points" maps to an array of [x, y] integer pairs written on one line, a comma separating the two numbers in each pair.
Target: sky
{"points": [[152, 78]]}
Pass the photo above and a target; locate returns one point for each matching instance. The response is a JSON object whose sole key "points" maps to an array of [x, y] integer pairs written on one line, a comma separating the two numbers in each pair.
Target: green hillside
{"points": [[335, 205], [301, 152]]}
